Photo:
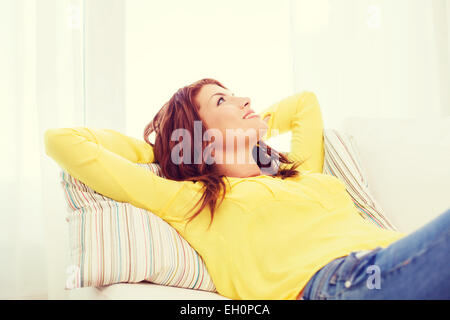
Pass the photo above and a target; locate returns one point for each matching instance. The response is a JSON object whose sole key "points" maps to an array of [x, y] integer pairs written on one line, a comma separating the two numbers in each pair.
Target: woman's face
{"points": [[221, 110]]}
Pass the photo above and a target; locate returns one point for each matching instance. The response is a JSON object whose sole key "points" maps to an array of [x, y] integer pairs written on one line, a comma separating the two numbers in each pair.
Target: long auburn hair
{"points": [[180, 112]]}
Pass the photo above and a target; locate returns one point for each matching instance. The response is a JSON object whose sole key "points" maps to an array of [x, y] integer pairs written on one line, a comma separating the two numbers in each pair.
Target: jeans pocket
{"points": [[355, 268], [320, 286], [340, 274]]}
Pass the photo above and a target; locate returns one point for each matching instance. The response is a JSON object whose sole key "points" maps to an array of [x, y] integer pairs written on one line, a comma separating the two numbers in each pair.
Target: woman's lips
{"points": [[249, 114], [253, 115]]}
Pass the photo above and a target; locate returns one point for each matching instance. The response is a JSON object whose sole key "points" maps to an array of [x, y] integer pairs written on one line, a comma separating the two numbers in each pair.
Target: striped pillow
{"points": [[112, 242], [342, 161]]}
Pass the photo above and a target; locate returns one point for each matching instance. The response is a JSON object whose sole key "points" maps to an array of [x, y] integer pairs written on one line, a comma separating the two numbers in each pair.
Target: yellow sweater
{"points": [[269, 236]]}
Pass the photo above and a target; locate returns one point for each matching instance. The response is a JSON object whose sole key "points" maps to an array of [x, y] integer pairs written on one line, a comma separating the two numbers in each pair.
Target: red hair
{"points": [[180, 112]]}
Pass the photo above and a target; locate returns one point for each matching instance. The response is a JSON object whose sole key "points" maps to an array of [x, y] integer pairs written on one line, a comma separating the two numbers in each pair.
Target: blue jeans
{"points": [[414, 267]]}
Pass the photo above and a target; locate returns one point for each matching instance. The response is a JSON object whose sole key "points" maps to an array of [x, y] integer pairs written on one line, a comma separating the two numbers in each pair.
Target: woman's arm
{"points": [[105, 160], [301, 114]]}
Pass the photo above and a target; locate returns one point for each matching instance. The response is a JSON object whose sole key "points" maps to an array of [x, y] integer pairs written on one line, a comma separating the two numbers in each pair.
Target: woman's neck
{"points": [[237, 163]]}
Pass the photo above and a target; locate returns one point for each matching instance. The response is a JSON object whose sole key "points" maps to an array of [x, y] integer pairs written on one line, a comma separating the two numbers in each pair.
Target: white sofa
{"points": [[407, 165]]}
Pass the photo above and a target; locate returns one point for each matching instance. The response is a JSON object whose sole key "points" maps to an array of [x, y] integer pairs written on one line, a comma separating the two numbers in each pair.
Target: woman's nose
{"points": [[245, 103]]}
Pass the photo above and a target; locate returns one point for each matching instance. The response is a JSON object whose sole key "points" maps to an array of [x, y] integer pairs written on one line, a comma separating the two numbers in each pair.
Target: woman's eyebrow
{"points": [[219, 94]]}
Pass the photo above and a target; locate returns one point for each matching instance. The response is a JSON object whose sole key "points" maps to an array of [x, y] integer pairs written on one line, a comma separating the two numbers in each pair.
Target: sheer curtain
{"points": [[62, 66], [20, 219], [41, 87], [113, 63]]}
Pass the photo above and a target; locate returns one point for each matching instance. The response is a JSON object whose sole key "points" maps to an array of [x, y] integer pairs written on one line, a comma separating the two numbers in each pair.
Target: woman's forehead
{"points": [[206, 93], [209, 89]]}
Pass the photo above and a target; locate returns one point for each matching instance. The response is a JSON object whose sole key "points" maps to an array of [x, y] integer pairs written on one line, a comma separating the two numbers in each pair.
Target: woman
{"points": [[269, 225]]}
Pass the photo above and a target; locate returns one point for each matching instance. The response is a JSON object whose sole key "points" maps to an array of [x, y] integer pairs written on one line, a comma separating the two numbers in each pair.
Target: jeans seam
{"points": [[398, 266], [418, 254]]}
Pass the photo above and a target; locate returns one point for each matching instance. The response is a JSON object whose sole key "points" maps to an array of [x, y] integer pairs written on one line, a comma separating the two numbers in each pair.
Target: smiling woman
{"points": [[269, 234], [221, 115], [236, 134]]}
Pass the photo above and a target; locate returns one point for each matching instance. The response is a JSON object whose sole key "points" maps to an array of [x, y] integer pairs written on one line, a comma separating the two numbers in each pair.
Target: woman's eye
{"points": [[219, 100]]}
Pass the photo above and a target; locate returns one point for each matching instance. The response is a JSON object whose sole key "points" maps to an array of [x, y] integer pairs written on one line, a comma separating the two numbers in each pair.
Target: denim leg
{"points": [[414, 267]]}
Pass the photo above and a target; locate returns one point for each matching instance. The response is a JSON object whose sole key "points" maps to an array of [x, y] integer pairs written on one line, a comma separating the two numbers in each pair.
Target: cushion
{"points": [[112, 242], [342, 161], [115, 242]]}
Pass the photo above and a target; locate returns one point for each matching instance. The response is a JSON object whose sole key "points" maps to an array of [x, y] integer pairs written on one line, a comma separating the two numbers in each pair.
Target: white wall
{"points": [[246, 45], [370, 58]]}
